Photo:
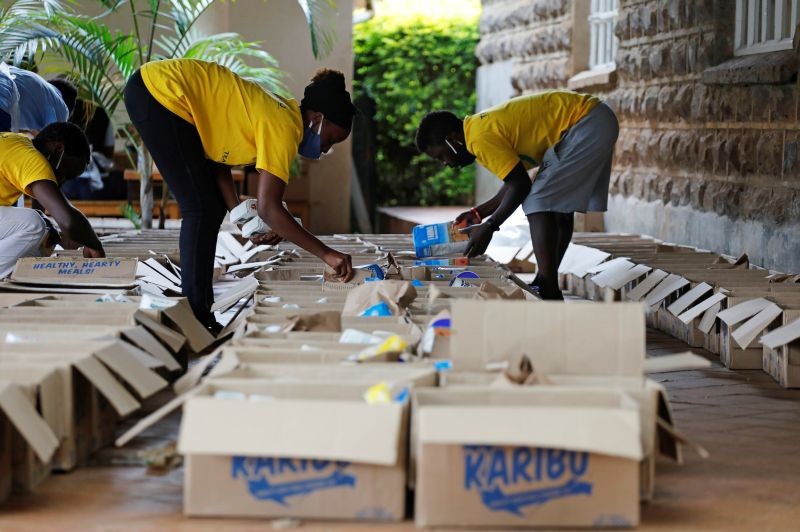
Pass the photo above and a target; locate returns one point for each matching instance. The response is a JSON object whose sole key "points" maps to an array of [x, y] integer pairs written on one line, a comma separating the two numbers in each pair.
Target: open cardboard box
{"points": [[544, 457], [555, 336], [781, 350], [34, 424], [741, 324], [92, 398], [281, 468]]}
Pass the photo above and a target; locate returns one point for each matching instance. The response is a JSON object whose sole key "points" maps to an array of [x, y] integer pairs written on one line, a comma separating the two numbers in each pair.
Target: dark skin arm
{"points": [[271, 210], [70, 220], [227, 188], [485, 209], [516, 187]]}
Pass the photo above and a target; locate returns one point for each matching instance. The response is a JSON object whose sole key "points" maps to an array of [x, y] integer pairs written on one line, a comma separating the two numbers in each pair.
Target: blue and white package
{"points": [[379, 310], [463, 279], [377, 271], [437, 240]]}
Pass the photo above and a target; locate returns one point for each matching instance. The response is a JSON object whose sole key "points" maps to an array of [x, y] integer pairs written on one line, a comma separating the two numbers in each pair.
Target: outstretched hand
{"points": [[480, 235], [467, 218]]}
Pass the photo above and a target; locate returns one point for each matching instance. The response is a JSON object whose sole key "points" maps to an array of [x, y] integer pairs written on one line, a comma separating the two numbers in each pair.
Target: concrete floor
{"points": [[751, 481]]}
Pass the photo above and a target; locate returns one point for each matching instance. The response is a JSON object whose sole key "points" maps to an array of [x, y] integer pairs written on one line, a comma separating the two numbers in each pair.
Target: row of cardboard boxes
{"points": [[72, 365], [749, 316], [291, 419]]}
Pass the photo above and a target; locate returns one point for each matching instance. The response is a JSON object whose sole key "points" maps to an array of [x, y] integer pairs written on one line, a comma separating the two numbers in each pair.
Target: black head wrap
{"points": [[328, 95]]}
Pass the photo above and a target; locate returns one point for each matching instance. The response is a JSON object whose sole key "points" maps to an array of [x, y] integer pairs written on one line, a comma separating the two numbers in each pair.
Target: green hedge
{"points": [[408, 68]]}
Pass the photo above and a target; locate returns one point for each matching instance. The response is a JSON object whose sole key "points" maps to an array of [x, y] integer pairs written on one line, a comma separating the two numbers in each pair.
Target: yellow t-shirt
{"points": [[20, 165], [523, 128], [239, 122]]}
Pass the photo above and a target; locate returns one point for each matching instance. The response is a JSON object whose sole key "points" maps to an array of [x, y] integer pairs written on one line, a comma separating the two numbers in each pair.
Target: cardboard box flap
{"points": [[709, 318], [141, 337], [75, 271], [694, 312], [749, 330], [122, 401], [172, 339], [50, 386], [615, 264], [28, 422], [603, 422], [162, 271], [671, 284], [332, 430], [178, 311], [782, 335], [553, 335], [128, 368], [683, 302], [647, 284], [578, 259], [742, 311], [244, 288], [418, 374], [623, 277]]}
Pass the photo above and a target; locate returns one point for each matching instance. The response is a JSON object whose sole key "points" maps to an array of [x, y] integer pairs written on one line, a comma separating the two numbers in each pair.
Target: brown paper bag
{"points": [[398, 295]]}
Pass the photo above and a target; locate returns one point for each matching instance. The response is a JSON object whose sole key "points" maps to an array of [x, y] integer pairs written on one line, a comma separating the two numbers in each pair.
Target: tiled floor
{"points": [[750, 426]]}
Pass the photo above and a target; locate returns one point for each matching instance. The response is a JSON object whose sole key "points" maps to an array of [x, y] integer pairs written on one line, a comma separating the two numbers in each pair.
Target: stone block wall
{"points": [[708, 145]]}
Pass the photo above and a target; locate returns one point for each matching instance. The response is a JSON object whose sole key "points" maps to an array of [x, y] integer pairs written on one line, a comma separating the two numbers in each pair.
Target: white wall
{"points": [[281, 27]]}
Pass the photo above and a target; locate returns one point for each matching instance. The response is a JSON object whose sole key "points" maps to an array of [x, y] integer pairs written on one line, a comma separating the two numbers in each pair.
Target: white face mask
{"points": [[60, 158]]}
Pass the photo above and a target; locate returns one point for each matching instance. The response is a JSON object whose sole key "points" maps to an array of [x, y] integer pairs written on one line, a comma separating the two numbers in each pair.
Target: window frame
{"points": [[605, 18], [749, 17]]}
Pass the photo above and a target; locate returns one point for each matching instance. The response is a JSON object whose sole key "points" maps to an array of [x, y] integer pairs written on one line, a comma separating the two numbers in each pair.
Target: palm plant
{"points": [[101, 61]]}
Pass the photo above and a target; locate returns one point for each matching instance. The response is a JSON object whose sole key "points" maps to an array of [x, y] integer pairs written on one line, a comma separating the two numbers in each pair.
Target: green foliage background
{"points": [[410, 66]]}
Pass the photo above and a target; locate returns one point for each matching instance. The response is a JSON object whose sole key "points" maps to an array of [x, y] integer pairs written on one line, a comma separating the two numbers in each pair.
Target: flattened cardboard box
{"points": [[109, 272], [304, 457], [525, 458]]}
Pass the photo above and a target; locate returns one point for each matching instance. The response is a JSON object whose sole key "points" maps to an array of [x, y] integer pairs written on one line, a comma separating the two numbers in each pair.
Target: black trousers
{"points": [[178, 152]]}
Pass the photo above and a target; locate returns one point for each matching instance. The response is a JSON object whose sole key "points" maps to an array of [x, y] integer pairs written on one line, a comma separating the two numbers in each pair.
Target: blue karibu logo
{"points": [[277, 479], [510, 479]]}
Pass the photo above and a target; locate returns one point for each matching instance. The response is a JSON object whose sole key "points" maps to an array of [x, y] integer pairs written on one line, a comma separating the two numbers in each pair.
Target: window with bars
{"points": [[765, 25], [602, 41]]}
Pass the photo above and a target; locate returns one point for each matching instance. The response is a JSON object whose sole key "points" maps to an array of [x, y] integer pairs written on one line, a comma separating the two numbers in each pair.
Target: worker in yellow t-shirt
{"points": [[37, 168], [198, 119], [568, 136]]}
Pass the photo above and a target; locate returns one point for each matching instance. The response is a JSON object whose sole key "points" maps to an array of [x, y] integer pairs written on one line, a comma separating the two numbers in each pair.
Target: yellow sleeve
{"points": [[275, 150], [32, 167], [495, 153]]}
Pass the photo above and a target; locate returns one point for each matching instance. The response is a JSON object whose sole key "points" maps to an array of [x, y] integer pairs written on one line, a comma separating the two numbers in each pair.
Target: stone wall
{"points": [[703, 136]]}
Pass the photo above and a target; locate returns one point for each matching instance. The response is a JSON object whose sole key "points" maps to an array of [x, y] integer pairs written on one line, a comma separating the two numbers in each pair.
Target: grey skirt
{"points": [[575, 172]]}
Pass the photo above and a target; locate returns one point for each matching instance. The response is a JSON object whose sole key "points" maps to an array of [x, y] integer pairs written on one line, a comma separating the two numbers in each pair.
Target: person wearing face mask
{"points": [[37, 168], [569, 136], [198, 119]]}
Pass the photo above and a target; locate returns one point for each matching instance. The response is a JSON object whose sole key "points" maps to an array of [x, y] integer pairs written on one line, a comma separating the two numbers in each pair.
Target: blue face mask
{"points": [[311, 145]]}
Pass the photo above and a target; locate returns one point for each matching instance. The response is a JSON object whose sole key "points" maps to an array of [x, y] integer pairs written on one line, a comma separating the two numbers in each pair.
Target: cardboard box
{"points": [[344, 460], [781, 350], [741, 324], [527, 457]]}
